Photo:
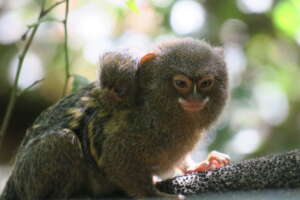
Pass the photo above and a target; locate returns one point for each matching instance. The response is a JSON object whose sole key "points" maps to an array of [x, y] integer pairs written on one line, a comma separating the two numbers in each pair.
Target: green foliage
{"points": [[131, 4], [286, 16], [78, 82]]}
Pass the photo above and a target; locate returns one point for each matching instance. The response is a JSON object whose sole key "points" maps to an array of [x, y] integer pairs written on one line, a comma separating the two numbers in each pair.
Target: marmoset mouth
{"points": [[193, 106]]}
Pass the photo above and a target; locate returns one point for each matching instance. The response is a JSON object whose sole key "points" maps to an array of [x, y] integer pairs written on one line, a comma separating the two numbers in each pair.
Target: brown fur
{"points": [[159, 133], [87, 145]]}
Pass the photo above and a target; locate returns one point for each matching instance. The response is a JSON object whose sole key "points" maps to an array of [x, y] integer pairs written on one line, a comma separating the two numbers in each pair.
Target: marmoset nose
{"points": [[195, 96]]}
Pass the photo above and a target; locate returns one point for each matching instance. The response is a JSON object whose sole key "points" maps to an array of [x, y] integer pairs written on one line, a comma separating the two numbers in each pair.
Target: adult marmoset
{"points": [[182, 89], [77, 147]]}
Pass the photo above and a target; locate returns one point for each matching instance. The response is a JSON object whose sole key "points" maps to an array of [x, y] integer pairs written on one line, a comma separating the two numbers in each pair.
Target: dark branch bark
{"points": [[274, 171]]}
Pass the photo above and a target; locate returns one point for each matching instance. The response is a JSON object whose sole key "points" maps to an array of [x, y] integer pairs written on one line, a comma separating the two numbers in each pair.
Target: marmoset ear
{"points": [[219, 51], [146, 58]]}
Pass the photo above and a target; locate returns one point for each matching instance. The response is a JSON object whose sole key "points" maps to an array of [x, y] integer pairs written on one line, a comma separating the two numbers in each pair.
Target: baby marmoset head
{"points": [[116, 78], [185, 76]]}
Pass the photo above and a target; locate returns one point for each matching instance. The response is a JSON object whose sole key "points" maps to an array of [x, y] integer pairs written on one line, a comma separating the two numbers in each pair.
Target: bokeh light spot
{"points": [[187, 16], [236, 62], [272, 103], [32, 70], [162, 3], [286, 17], [90, 22], [11, 28], [246, 141], [254, 6]]}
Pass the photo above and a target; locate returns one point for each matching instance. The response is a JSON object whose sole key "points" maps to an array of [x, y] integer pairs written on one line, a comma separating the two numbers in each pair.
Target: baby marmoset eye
{"points": [[120, 91]]}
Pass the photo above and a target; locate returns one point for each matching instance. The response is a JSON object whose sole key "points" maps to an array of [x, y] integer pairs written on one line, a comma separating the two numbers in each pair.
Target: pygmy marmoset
{"points": [[82, 146], [116, 76]]}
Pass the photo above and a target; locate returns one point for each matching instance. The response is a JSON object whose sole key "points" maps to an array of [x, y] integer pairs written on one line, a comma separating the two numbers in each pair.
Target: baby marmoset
{"points": [[117, 78]]}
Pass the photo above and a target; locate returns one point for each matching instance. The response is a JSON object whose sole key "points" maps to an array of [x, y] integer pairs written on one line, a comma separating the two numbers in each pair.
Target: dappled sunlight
{"points": [[32, 70], [134, 41], [147, 21], [11, 21], [254, 6], [273, 106], [89, 22], [162, 3], [187, 16], [245, 141], [93, 50], [236, 63], [286, 16]]}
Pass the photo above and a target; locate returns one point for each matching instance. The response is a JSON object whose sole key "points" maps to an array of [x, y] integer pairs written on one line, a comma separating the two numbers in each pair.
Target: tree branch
{"points": [[274, 171], [44, 20], [45, 12], [14, 92], [29, 87], [13, 95], [67, 63]]}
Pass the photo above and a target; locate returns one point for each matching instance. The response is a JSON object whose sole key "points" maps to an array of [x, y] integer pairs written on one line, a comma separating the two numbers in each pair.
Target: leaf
{"points": [[131, 4], [286, 17], [78, 82]]}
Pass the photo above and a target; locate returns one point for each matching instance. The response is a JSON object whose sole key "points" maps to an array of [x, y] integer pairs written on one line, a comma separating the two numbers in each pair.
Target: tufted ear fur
{"points": [[147, 57]]}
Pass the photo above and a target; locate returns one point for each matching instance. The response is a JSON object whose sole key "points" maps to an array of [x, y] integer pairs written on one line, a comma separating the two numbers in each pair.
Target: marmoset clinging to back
{"points": [[116, 76], [57, 158], [81, 146]]}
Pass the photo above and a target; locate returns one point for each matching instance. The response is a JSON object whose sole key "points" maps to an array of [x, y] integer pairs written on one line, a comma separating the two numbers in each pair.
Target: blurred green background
{"points": [[261, 39]]}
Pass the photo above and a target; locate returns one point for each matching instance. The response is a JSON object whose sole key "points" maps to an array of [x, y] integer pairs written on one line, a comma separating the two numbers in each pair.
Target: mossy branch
{"points": [[32, 29]]}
